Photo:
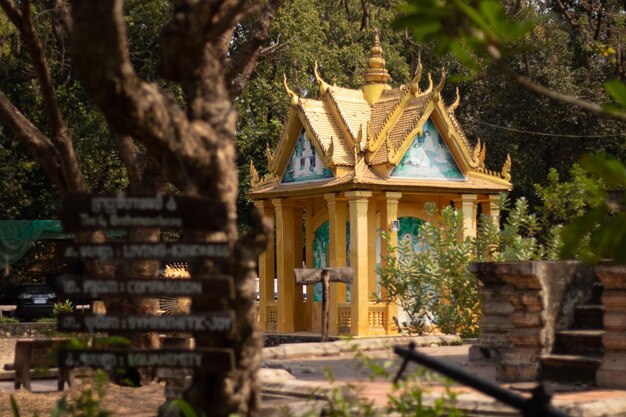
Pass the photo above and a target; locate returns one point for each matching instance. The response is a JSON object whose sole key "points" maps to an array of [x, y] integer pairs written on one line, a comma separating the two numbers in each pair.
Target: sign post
{"points": [[306, 276], [82, 212]]}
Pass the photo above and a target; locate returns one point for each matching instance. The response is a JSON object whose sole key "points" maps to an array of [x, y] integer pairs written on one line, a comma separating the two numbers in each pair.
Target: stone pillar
{"points": [[267, 270], [358, 202], [495, 322], [468, 208], [612, 372], [298, 259], [285, 264], [308, 227], [388, 214], [336, 255]]}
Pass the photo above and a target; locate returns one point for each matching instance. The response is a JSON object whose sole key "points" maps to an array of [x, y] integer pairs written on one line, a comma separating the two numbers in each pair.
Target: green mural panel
{"points": [[305, 164], [321, 239], [428, 157], [409, 229]]}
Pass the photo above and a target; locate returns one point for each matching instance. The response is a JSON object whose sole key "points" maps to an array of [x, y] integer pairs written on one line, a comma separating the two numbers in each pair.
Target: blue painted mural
{"points": [[428, 157], [305, 164]]}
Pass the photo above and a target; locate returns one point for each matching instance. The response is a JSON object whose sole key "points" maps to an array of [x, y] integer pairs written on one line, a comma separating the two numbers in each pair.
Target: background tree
{"points": [[209, 57]]}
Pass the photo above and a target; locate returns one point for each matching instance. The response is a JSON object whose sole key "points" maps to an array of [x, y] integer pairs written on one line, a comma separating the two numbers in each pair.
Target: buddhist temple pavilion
{"points": [[350, 164]]}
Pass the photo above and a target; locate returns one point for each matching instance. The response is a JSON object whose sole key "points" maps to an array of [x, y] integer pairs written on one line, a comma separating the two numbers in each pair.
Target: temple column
{"points": [[359, 260], [266, 267], [493, 209], [298, 260], [373, 222], [336, 255], [285, 264], [389, 214], [468, 208], [309, 236]]}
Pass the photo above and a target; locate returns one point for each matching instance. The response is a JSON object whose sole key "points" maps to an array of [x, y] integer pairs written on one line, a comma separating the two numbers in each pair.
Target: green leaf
{"points": [[617, 90]]}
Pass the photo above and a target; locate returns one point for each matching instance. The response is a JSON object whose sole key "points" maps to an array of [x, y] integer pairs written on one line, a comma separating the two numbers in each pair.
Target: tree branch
{"points": [[243, 63], [131, 106], [38, 144]]}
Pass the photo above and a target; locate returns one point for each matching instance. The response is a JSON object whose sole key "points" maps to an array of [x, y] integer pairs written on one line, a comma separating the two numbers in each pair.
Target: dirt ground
{"points": [[120, 401]]}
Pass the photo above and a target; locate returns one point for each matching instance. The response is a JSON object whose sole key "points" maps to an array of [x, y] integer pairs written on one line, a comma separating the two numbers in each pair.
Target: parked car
{"points": [[31, 300]]}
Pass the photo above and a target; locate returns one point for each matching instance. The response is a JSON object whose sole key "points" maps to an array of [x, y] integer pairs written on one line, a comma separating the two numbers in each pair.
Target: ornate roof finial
{"points": [[440, 85], [415, 87], [482, 156], [294, 97], [506, 168], [476, 151], [322, 84], [254, 175], [452, 107], [376, 72], [270, 156]]}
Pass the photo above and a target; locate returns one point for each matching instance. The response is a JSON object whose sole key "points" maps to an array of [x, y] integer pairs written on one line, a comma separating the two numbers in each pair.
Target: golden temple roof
{"points": [[362, 134]]}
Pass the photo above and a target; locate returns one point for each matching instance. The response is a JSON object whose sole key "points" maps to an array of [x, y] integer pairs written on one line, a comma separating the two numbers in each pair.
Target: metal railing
{"points": [[538, 405]]}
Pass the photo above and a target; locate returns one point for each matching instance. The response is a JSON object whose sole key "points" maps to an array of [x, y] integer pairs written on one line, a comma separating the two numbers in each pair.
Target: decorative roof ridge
{"points": [[505, 172], [399, 101], [330, 93], [327, 154]]}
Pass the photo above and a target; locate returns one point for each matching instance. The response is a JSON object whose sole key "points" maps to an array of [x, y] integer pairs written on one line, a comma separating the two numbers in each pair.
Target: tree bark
{"points": [[195, 147]]}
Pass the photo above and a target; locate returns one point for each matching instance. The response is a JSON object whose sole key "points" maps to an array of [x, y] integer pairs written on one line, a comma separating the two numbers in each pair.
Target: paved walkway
{"points": [[577, 401]]}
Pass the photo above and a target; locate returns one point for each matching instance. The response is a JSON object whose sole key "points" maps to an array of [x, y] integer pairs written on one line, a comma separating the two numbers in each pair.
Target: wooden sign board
{"points": [[214, 323], [82, 211], [306, 276], [209, 359], [216, 286], [138, 251]]}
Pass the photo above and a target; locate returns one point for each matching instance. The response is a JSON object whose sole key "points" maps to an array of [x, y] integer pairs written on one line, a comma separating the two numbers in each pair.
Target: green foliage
{"points": [[8, 320], [433, 285], [63, 307], [562, 201], [605, 223]]}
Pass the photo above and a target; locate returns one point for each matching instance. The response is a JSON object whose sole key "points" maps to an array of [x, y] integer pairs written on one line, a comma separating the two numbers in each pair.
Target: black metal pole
{"points": [[537, 405]]}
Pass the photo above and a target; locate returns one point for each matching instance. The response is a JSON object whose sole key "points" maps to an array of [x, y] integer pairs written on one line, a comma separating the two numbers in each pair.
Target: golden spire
{"points": [[376, 75], [376, 71]]}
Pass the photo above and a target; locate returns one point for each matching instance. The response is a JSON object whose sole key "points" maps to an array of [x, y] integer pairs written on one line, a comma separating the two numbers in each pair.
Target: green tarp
{"points": [[18, 236]]}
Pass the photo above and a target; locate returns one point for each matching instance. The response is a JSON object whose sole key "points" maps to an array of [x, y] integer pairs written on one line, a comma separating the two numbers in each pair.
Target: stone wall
{"points": [[524, 304]]}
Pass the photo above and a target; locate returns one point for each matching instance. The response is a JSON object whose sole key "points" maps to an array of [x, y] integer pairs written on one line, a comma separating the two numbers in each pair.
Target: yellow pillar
{"points": [[309, 251], [468, 207], [493, 209], [336, 255], [285, 264], [357, 201], [389, 214], [266, 267], [298, 260], [373, 222]]}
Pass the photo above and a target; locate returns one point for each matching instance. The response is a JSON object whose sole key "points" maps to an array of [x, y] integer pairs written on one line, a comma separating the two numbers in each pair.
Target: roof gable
{"points": [[428, 157], [305, 164]]}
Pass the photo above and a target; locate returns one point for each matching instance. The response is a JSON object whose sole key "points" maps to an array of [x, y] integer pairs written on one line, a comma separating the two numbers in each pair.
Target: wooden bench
{"points": [[32, 354]]}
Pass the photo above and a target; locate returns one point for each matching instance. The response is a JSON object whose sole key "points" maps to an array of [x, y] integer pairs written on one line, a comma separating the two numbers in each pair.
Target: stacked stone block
{"points": [[612, 372]]}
